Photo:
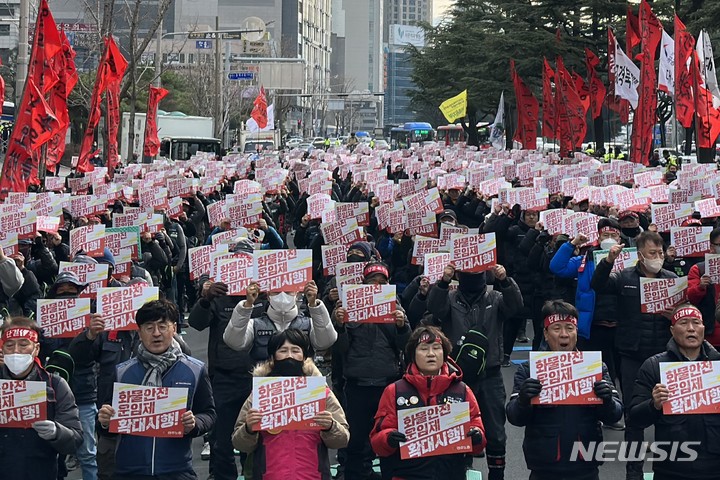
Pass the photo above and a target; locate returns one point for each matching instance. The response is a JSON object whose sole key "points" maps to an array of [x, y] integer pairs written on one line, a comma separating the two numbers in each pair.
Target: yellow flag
{"points": [[455, 108]]}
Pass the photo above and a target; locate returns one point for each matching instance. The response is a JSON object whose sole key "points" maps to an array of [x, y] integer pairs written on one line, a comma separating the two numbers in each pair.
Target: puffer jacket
{"points": [[639, 335], [456, 315], [702, 428], [26, 456], [138, 456], [552, 430], [296, 454], [517, 251], [438, 390], [592, 306]]}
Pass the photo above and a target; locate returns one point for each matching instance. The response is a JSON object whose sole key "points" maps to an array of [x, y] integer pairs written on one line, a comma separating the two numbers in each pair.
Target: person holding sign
{"points": [[704, 293], [475, 308], [639, 335], [244, 332], [371, 354], [290, 453], [32, 454], [651, 399], [431, 379], [552, 430], [161, 363]]}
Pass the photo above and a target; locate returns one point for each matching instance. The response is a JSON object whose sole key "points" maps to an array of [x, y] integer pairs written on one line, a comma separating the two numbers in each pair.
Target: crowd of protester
{"points": [[545, 290]]}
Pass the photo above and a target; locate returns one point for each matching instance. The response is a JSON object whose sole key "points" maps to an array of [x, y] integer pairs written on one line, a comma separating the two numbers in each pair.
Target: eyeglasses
{"points": [[163, 327]]}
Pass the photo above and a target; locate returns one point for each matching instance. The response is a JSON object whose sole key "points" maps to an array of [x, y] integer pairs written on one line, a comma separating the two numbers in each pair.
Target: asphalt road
{"points": [[516, 469]]}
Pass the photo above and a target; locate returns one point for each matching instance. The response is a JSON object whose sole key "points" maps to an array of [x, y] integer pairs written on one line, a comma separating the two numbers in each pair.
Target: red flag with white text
{"points": [[152, 142]]}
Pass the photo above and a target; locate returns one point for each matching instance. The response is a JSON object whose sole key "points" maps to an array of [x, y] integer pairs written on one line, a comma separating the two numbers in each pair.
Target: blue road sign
{"points": [[241, 76], [203, 44]]}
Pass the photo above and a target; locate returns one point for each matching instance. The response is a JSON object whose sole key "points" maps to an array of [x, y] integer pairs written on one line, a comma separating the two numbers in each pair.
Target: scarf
{"points": [[157, 365]]}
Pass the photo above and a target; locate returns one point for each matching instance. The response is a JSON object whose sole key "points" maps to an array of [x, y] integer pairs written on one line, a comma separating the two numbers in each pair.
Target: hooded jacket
{"points": [[430, 391], [296, 454], [702, 428], [26, 456], [552, 430]]}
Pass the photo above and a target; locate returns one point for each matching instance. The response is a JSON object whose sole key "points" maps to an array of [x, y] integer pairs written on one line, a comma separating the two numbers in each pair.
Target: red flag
{"points": [[527, 111], [632, 32], [2, 87], [152, 142], [64, 66], [46, 44], [684, 47], [582, 90], [644, 120], [116, 66], [548, 106], [707, 117], [33, 127], [111, 70], [597, 87], [259, 112], [571, 124]]}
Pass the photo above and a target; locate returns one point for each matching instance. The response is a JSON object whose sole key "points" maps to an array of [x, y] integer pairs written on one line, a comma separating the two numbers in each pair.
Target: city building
{"points": [[357, 64], [401, 30]]}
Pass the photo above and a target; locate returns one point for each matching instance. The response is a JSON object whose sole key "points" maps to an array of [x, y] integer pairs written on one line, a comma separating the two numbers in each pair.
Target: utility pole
{"points": [[22, 57], [218, 80], [158, 54]]}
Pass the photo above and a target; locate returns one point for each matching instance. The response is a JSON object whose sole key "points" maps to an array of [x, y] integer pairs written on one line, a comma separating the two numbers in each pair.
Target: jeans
{"points": [[230, 393], [88, 449], [490, 394], [362, 403]]}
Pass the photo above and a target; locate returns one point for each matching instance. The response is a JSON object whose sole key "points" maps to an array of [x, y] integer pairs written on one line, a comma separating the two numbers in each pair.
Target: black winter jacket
{"points": [[703, 428], [639, 335], [551, 431]]}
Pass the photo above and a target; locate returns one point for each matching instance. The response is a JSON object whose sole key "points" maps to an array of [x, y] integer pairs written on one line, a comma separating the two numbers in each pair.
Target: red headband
{"points": [[377, 268], [556, 317], [609, 229], [20, 332], [686, 312], [426, 338]]}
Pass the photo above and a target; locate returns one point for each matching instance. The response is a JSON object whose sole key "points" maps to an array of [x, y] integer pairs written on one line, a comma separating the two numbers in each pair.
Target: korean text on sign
{"points": [[289, 403], [22, 403], [568, 378], [694, 387], [148, 411], [435, 430]]}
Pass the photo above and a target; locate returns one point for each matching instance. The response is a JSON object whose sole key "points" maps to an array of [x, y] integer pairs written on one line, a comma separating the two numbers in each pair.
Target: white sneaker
{"points": [[205, 454]]}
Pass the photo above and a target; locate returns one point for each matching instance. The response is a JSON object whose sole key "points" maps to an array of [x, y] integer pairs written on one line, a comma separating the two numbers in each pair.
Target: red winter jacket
{"points": [[429, 389], [696, 294]]}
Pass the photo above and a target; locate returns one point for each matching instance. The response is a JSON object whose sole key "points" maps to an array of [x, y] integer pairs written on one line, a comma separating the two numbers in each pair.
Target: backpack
{"points": [[471, 355]]}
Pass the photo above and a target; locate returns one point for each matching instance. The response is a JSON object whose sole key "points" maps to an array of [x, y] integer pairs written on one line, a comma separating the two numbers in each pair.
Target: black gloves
{"points": [[394, 439], [476, 436], [604, 390], [217, 289], [529, 389]]}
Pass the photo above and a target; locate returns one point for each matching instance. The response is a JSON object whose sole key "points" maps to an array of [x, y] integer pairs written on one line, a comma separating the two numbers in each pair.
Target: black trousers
{"points": [[230, 392], [361, 406], [592, 475], [628, 373], [602, 339], [490, 394]]}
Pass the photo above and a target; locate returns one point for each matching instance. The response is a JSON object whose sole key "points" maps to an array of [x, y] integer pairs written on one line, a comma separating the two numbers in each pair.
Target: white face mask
{"points": [[17, 363], [282, 302], [608, 243], [653, 266]]}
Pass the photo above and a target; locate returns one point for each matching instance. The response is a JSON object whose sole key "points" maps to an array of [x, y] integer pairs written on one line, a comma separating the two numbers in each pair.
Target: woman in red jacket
{"points": [[431, 379]]}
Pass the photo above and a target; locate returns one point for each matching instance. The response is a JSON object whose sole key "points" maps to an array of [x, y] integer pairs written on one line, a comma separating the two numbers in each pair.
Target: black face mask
{"points": [[631, 232], [471, 283], [287, 367], [354, 258]]}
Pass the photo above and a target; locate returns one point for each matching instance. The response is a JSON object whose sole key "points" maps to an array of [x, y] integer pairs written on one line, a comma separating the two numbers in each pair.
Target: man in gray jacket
{"points": [[473, 306]]}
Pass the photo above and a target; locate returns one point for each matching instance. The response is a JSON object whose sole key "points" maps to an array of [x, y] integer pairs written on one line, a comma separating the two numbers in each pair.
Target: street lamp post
{"points": [[23, 47]]}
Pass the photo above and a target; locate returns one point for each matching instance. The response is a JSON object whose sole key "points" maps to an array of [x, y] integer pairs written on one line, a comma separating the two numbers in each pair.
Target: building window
{"points": [[182, 58], [7, 11]]}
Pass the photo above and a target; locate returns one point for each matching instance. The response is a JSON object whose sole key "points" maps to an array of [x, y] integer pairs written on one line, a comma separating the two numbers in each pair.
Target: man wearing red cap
{"points": [[552, 430], [32, 454], [686, 345]]}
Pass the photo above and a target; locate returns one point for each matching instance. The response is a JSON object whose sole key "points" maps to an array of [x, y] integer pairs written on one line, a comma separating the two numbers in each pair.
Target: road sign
{"points": [[241, 76], [202, 35], [203, 44]]}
